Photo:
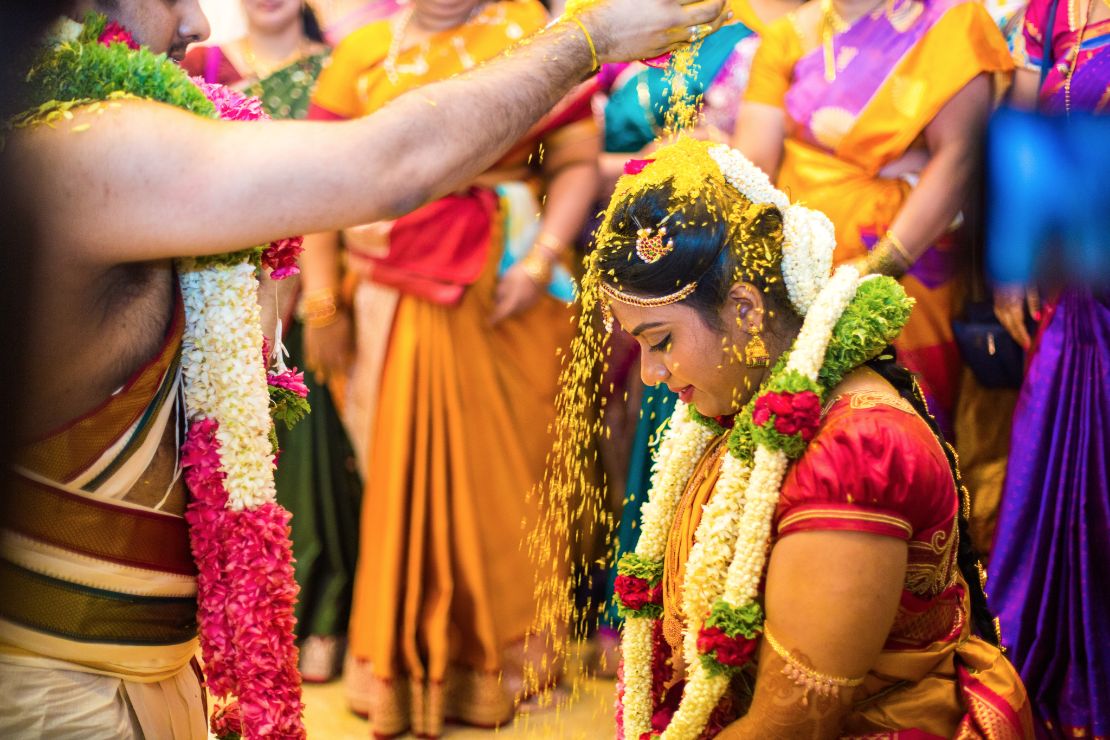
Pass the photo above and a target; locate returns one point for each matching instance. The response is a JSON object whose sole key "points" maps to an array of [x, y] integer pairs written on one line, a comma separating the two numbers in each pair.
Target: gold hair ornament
{"points": [[650, 246]]}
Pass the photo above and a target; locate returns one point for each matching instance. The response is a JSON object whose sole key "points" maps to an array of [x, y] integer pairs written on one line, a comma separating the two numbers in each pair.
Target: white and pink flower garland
{"points": [[240, 534]]}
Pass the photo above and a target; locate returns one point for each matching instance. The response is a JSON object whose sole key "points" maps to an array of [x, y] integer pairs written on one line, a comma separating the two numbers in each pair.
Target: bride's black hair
{"points": [[703, 233]]}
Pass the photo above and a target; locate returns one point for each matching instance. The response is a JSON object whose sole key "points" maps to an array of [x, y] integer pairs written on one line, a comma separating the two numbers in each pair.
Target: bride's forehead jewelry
{"points": [[651, 247], [613, 294]]}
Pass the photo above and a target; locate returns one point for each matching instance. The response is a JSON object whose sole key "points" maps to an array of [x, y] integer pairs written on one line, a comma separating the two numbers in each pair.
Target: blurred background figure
{"points": [[873, 113], [457, 313], [632, 106], [1053, 544], [338, 18], [278, 61]]}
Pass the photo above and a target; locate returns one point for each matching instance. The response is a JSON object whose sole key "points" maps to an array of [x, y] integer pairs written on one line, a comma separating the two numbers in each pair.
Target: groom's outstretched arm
{"points": [[146, 181]]}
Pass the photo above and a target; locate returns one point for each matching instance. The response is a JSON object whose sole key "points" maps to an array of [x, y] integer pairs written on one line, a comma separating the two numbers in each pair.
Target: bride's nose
{"points": [[652, 371]]}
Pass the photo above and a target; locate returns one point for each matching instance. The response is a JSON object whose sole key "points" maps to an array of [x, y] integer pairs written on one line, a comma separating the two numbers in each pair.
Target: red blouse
{"points": [[876, 467]]}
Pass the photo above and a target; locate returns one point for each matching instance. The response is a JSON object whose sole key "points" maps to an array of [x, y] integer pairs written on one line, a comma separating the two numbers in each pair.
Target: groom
{"points": [[97, 622]]}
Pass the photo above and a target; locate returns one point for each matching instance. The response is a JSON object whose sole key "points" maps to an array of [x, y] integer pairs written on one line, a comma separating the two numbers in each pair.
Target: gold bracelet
{"points": [[551, 245], [589, 40], [883, 262], [801, 674], [536, 267], [899, 248], [319, 308]]}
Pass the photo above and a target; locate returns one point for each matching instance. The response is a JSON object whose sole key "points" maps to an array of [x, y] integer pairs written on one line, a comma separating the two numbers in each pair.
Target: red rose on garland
{"points": [[227, 721], [794, 413], [114, 33], [636, 593], [730, 651]]}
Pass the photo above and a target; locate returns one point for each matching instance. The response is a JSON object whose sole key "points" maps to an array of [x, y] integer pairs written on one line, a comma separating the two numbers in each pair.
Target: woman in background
{"points": [[278, 61], [1052, 549], [469, 369], [846, 97]]}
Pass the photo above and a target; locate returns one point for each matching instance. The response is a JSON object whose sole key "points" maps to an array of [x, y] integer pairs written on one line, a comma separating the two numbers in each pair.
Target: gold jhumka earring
{"points": [[755, 352]]}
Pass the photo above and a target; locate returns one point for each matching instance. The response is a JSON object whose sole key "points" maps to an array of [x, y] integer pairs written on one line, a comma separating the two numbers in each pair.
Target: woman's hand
{"points": [[329, 348], [516, 292], [1010, 303]]}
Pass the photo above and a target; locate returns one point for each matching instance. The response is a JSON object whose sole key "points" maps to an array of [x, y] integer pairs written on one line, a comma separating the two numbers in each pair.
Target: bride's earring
{"points": [[755, 352]]}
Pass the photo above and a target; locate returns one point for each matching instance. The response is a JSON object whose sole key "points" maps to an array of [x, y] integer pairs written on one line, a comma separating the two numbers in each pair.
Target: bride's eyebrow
{"points": [[644, 327]]}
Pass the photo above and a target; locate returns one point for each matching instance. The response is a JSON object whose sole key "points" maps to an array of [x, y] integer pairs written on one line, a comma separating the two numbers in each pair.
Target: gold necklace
{"points": [[252, 59], [420, 66], [833, 23], [1075, 55]]}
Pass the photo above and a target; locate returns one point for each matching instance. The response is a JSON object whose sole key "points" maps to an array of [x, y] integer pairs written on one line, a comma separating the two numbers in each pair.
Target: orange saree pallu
{"points": [[444, 592], [98, 578], [896, 67], [875, 467]]}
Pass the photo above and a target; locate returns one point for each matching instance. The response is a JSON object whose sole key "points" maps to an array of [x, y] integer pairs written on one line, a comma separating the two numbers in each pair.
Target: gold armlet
{"points": [[809, 679]]}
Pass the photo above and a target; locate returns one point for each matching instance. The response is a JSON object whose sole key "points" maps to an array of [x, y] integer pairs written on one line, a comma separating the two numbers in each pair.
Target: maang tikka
{"points": [[652, 245]]}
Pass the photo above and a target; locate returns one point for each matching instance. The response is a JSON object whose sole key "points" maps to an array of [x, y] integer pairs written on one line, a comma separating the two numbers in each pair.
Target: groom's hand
{"points": [[627, 30]]}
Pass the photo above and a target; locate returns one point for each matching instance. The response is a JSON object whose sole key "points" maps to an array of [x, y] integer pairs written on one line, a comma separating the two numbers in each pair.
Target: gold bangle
{"points": [[319, 308], [551, 245], [899, 248], [806, 677], [882, 261], [589, 40], [537, 268]]}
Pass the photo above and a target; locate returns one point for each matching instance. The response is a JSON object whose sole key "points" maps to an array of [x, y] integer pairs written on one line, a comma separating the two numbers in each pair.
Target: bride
{"points": [[803, 568]]}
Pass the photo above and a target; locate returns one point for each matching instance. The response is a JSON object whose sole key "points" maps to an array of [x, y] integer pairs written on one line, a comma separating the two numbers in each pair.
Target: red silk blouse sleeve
{"points": [[873, 467]]}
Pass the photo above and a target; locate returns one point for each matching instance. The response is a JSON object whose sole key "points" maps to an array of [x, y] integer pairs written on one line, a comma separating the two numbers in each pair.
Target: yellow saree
{"points": [[444, 589], [896, 68]]}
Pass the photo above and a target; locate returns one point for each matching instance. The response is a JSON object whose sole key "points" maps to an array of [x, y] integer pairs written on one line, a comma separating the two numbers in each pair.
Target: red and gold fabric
{"points": [[876, 467], [105, 579]]}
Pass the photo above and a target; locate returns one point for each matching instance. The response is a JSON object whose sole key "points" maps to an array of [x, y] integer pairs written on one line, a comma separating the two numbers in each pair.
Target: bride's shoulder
{"points": [[873, 456], [864, 389]]}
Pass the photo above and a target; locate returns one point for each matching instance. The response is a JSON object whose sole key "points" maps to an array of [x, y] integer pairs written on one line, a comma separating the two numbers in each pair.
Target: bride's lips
{"points": [[684, 394]]}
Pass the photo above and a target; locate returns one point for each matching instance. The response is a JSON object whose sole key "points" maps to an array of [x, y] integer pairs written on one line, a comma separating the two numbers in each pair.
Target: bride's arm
{"points": [[831, 599]]}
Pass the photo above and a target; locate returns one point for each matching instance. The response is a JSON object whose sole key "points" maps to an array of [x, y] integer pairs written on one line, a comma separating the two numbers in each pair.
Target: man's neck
{"points": [[275, 46], [437, 23]]}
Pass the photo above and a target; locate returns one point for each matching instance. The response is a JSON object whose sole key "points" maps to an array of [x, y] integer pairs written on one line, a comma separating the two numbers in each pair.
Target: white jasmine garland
{"points": [[224, 375], [683, 444], [809, 237], [714, 542]]}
